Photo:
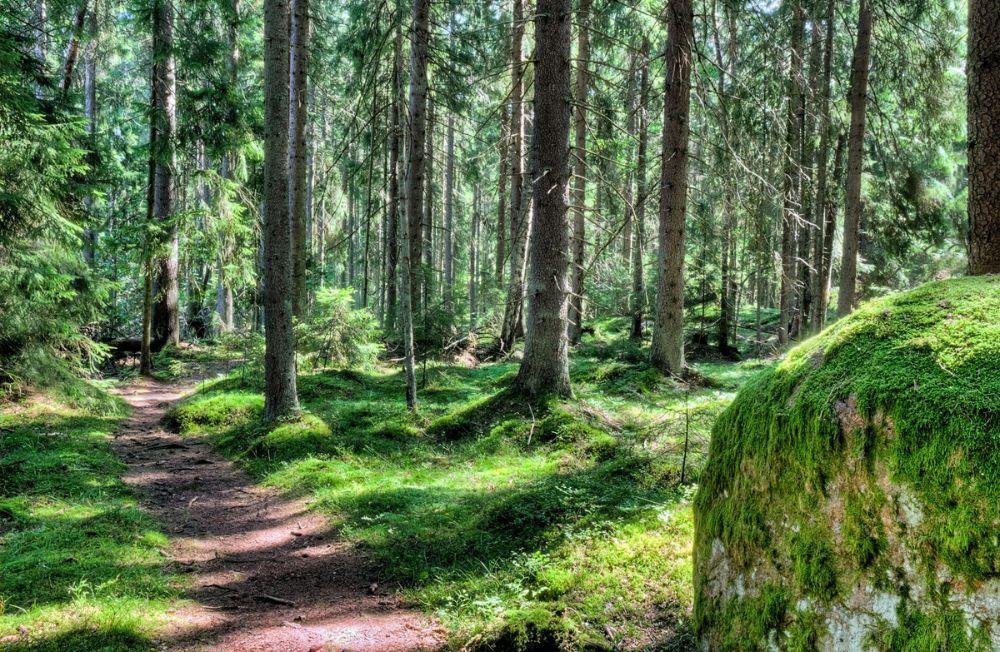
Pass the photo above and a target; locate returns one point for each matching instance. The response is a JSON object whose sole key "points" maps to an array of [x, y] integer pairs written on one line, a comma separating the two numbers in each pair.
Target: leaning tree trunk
{"points": [[792, 179], [641, 191], [984, 137], [518, 216], [297, 152], [855, 161], [414, 186], [280, 397], [580, 174], [166, 311], [545, 367], [667, 351]]}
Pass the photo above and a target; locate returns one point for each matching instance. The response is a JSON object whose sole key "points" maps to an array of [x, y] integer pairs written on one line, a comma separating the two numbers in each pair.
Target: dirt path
{"points": [[266, 573]]}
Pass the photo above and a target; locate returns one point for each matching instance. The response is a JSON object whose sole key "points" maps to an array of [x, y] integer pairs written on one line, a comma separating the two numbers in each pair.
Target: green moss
{"points": [[813, 563], [746, 624], [921, 370], [943, 628]]}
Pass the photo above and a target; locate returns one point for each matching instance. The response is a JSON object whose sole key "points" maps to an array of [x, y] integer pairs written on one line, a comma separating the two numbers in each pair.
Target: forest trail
{"points": [[266, 573]]}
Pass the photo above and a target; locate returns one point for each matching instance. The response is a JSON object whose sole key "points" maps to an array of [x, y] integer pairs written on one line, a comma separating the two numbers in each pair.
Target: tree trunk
{"points": [[855, 161], [984, 137], [297, 153], [518, 216], [667, 351], [641, 195], [820, 272], [545, 367], [580, 174], [280, 397], [727, 287], [224, 291], [474, 259], [73, 48], [166, 312], [392, 217], [628, 198], [414, 185], [90, 114], [427, 221], [449, 216], [792, 178], [501, 244]]}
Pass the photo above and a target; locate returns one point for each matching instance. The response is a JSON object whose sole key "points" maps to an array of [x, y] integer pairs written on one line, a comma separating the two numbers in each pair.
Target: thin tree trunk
{"points": [[727, 288], [166, 312], [820, 272], [224, 291], [368, 201], [504, 151], [392, 218], [545, 367], [829, 227], [474, 258], [90, 113], [855, 161], [667, 351], [631, 108], [518, 216], [280, 396], [580, 174], [792, 178], [414, 184], [297, 154], [641, 195], [427, 221], [449, 216], [73, 48], [984, 137]]}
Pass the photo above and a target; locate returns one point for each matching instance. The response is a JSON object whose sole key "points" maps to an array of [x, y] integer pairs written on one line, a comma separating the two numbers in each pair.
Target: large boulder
{"points": [[851, 498]]}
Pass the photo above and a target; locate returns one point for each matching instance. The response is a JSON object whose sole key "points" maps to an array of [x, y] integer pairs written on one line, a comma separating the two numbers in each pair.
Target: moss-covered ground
{"points": [[80, 565], [563, 522], [907, 388]]}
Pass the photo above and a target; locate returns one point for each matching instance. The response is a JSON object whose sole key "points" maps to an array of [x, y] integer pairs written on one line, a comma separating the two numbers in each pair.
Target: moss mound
{"points": [[855, 487]]}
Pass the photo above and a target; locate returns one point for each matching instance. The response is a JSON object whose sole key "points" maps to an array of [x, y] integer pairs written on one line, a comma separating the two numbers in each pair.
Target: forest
{"points": [[372, 325]]}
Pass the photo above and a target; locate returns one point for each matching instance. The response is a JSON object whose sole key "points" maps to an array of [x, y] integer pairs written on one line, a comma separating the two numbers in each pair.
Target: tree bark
{"points": [[545, 367], [449, 216], [580, 174], [501, 243], [792, 178], [641, 195], [519, 223], [280, 396], [984, 137], [90, 114], [73, 48], [474, 258], [427, 221], [820, 272], [297, 151], [727, 286], [667, 351], [628, 198], [392, 218], [166, 311], [414, 183], [855, 161]]}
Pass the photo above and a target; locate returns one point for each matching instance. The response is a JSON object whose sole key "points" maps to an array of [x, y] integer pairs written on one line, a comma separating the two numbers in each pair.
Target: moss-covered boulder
{"points": [[852, 494]]}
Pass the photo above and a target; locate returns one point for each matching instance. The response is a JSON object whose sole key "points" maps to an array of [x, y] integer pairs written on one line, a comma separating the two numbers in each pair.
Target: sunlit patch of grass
{"points": [[80, 564], [558, 523]]}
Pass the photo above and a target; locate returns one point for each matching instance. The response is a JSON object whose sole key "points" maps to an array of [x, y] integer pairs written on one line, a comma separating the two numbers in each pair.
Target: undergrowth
{"points": [[520, 525]]}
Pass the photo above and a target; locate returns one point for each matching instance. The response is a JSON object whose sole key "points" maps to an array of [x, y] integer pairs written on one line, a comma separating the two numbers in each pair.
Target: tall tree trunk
{"points": [[580, 174], [855, 161], [392, 217], [628, 198], [667, 351], [984, 137], [427, 221], [297, 152], [641, 195], [224, 290], [792, 177], [449, 216], [501, 244], [166, 312], [545, 367], [518, 216], [726, 65], [369, 208], [414, 183], [73, 48], [280, 396], [820, 272]]}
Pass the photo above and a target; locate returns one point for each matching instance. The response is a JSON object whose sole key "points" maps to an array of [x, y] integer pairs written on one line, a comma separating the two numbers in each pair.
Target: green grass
{"points": [[560, 523], [923, 370], [80, 565]]}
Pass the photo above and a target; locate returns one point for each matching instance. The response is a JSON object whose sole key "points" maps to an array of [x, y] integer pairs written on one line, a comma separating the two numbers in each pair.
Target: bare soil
{"points": [[266, 573]]}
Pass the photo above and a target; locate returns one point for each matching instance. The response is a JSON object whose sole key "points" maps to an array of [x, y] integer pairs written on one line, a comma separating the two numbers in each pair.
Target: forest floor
{"points": [[266, 573], [481, 522]]}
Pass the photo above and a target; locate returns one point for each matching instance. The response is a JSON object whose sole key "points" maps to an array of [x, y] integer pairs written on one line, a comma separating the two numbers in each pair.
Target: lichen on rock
{"points": [[851, 499]]}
